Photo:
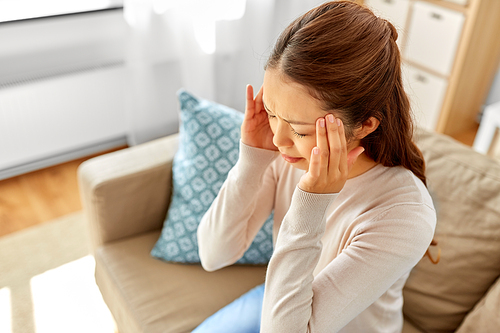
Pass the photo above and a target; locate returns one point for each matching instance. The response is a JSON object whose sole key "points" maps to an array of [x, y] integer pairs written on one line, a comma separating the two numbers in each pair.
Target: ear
{"points": [[368, 126]]}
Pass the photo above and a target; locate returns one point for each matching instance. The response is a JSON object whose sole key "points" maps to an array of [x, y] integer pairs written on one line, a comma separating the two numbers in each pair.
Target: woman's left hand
{"points": [[330, 162]]}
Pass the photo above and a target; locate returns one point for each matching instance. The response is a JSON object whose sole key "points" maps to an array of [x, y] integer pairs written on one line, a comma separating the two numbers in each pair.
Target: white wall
{"points": [[34, 46], [62, 84]]}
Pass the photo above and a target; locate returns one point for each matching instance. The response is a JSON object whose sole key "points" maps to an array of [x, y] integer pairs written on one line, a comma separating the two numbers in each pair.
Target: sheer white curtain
{"points": [[212, 48]]}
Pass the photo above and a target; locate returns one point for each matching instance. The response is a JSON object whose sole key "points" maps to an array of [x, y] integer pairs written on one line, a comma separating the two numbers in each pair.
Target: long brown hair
{"points": [[349, 60]]}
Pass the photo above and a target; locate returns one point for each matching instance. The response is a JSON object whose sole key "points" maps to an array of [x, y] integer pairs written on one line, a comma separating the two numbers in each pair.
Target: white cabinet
{"points": [[426, 93], [433, 37], [394, 11], [451, 52]]}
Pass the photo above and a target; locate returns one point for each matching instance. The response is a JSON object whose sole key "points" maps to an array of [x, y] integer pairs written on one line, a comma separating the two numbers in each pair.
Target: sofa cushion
{"points": [[465, 187], [150, 296], [208, 149], [409, 327], [485, 317]]}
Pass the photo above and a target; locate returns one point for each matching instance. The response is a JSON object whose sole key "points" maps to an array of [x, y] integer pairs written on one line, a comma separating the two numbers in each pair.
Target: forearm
{"points": [[241, 207], [289, 280]]}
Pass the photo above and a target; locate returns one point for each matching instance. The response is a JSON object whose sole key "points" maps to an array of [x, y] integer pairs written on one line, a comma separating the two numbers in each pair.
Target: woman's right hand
{"points": [[255, 130]]}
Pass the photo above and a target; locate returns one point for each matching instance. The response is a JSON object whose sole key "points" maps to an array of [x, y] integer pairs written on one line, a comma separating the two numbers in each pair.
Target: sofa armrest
{"points": [[127, 192]]}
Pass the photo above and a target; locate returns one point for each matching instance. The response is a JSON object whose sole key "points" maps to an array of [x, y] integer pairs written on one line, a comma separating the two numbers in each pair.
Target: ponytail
{"points": [[391, 144]]}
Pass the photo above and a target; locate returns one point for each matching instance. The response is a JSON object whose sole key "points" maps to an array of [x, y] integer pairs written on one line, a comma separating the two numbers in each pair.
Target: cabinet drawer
{"points": [[426, 93], [433, 37], [395, 11]]}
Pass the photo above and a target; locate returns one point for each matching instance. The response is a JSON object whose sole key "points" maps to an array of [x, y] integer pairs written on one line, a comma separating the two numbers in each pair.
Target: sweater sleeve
{"points": [[381, 252], [244, 202]]}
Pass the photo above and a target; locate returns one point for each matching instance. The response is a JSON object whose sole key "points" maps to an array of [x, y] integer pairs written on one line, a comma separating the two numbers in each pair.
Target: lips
{"points": [[291, 159]]}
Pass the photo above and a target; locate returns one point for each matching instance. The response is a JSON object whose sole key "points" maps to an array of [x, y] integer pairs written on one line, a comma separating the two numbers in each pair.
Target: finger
{"points": [[335, 145], [250, 105], [309, 179], [259, 104], [322, 144], [315, 164], [343, 167]]}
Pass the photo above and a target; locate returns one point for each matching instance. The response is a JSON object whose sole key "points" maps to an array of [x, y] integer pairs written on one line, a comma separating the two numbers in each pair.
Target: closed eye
{"points": [[271, 116], [297, 134]]}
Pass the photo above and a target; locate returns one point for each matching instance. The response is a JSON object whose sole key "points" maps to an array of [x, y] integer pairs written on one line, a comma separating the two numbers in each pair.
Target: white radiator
{"points": [[61, 115]]}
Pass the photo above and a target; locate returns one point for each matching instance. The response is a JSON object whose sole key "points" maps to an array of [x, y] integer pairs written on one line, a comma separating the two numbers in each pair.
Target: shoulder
{"points": [[390, 185], [391, 193]]}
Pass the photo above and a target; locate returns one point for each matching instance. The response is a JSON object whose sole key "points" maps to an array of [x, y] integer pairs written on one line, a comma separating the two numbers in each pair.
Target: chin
{"points": [[302, 165]]}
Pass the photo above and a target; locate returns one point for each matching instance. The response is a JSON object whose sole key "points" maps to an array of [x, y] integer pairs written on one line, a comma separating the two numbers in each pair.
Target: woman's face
{"points": [[292, 115]]}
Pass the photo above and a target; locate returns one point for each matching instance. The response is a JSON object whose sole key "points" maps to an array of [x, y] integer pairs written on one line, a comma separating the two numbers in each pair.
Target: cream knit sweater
{"points": [[340, 261]]}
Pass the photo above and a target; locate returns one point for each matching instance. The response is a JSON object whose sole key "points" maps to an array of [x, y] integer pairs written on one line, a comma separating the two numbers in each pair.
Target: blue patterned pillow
{"points": [[208, 149]]}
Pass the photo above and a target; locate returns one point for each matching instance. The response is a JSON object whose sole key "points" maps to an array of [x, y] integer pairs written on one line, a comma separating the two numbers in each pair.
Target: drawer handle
{"points": [[389, 1], [421, 78], [436, 16]]}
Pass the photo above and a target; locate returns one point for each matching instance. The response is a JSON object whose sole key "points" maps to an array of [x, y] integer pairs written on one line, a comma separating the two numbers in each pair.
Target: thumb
{"points": [[353, 156]]}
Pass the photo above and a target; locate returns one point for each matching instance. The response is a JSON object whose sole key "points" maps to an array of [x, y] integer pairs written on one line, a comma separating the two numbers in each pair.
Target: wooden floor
{"points": [[46, 194], [39, 196]]}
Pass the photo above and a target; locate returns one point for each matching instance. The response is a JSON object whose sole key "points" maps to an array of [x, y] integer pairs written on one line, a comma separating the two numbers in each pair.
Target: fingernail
{"points": [[338, 121], [316, 150], [330, 118], [322, 122]]}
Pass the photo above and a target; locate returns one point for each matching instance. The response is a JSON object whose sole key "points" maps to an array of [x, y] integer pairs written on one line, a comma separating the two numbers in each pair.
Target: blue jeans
{"points": [[240, 316]]}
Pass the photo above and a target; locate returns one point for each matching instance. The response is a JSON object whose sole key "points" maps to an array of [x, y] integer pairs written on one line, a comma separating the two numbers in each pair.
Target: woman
{"points": [[327, 144]]}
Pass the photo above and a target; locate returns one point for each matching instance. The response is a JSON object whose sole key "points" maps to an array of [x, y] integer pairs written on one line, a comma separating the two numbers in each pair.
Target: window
{"points": [[16, 10]]}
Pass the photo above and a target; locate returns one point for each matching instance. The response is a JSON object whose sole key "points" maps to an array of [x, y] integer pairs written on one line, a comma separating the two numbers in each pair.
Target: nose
{"points": [[282, 134]]}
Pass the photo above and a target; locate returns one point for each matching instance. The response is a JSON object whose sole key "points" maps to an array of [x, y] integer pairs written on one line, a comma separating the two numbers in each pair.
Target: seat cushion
{"points": [[465, 187], [147, 295]]}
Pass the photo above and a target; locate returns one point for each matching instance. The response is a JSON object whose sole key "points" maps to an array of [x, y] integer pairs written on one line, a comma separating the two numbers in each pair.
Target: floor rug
{"points": [[47, 281]]}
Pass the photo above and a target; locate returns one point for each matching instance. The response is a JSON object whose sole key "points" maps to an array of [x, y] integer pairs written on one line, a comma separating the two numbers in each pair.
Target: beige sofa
{"points": [[125, 197]]}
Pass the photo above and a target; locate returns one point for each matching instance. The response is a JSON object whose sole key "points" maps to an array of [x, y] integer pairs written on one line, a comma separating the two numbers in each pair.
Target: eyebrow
{"points": [[291, 122]]}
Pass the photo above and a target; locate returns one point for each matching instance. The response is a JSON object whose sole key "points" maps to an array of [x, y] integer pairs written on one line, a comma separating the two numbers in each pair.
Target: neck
{"points": [[362, 165]]}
